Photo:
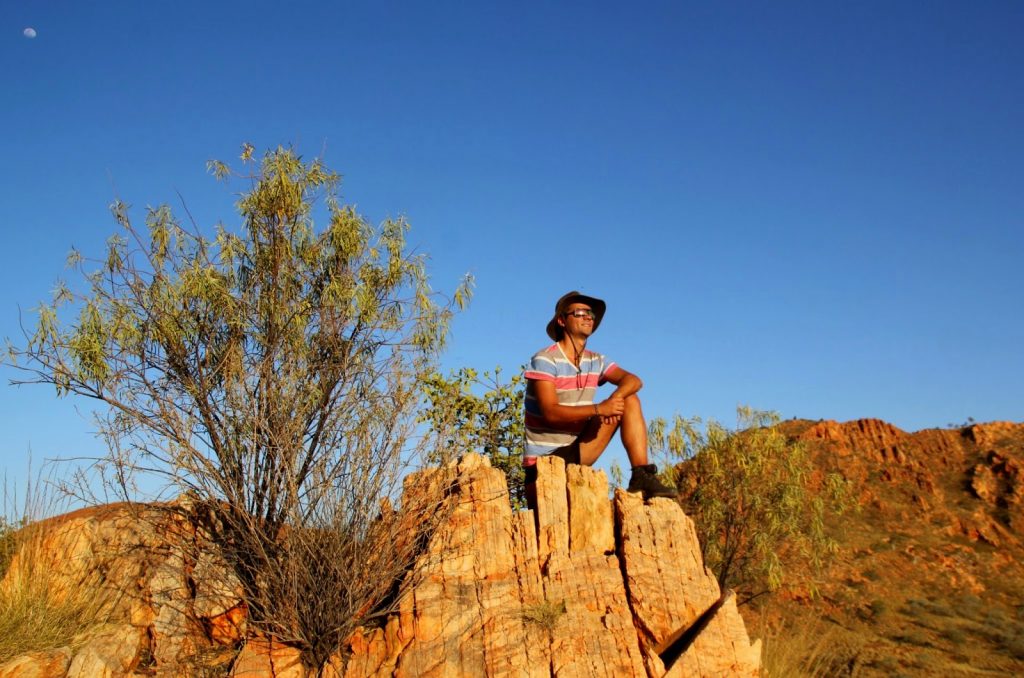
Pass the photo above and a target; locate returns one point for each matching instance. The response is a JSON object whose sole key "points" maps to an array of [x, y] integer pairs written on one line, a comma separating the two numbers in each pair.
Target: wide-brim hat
{"points": [[596, 305]]}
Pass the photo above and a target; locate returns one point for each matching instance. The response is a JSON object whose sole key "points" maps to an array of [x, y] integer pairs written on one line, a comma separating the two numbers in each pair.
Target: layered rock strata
{"points": [[584, 586]]}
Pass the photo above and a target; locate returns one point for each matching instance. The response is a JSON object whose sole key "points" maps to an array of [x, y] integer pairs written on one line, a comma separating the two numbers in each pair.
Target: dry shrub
{"points": [[312, 585], [545, 614]]}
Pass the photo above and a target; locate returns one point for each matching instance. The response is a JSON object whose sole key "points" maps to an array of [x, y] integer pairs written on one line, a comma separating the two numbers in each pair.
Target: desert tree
{"points": [[758, 504], [271, 370]]}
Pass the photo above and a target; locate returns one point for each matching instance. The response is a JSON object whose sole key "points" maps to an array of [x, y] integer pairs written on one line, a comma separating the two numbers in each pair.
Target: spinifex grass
{"points": [[805, 647], [39, 611]]}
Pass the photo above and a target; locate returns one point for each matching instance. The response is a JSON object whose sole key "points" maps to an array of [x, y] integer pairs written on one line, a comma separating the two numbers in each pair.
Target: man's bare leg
{"points": [[633, 432], [644, 477], [595, 438]]}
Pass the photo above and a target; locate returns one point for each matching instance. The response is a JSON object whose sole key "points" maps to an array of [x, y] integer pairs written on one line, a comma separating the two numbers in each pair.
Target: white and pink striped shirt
{"points": [[575, 387]]}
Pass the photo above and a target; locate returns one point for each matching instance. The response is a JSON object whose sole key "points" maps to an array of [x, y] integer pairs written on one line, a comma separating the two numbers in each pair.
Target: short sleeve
{"points": [[541, 368], [607, 365]]}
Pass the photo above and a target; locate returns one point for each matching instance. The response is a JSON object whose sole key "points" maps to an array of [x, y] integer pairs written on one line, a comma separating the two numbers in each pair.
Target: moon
{"points": [[29, 32]]}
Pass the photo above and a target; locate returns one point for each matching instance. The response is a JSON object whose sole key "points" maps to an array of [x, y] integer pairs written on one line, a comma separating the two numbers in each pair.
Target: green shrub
{"points": [[749, 492], [270, 368], [913, 637], [887, 665], [473, 412], [8, 543], [1013, 643]]}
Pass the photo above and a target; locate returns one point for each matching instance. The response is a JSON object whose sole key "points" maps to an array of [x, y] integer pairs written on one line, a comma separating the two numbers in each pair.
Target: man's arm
{"points": [[555, 413], [627, 382]]}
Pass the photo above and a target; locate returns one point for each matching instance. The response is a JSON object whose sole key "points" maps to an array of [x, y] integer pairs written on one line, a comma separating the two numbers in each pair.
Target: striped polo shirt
{"points": [[576, 387]]}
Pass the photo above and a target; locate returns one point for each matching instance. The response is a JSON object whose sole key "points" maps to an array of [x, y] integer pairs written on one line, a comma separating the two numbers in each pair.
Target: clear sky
{"points": [[809, 207]]}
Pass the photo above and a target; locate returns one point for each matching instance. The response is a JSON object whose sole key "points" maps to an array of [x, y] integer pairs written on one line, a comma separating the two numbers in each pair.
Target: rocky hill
{"points": [[930, 577], [583, 586]]}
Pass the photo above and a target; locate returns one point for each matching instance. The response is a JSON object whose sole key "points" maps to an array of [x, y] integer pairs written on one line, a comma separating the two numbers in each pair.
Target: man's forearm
{"points": [[570, 414], [629, 386]]}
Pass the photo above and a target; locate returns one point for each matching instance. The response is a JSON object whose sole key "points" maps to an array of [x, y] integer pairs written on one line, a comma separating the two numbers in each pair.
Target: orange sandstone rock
{"points": [[585, 586]]}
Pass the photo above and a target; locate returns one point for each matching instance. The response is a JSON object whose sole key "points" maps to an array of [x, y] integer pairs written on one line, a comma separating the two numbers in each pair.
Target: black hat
{"points": [[574, 297]]}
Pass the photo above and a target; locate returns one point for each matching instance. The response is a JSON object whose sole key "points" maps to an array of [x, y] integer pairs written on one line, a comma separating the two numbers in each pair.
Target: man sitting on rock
{"points": [[562, 416]]}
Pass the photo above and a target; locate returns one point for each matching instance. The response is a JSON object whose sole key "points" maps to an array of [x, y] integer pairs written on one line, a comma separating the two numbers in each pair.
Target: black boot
{"points": [[645, 479]]}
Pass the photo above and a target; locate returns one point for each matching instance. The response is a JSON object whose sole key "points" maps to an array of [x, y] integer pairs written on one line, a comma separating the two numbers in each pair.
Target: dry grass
{"points": [[806, 647], [38, 610]]}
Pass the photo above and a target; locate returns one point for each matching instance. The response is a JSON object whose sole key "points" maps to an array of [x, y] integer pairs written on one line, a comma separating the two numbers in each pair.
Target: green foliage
{"points": [[271, 369], [758, 508], [617, 476], [469, 411]]}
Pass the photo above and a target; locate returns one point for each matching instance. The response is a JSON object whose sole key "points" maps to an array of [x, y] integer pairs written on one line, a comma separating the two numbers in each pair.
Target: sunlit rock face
{"points": [[582, 586]]}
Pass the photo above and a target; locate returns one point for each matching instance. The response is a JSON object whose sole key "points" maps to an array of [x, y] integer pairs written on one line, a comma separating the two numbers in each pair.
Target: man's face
{"points": [[579, 319]]}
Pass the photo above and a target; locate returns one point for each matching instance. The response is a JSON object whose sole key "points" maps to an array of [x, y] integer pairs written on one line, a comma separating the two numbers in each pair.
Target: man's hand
{"points": [[611, 409]]}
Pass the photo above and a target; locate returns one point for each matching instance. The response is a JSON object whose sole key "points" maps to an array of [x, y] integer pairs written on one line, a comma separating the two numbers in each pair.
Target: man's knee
{"points": [[632, 403]]}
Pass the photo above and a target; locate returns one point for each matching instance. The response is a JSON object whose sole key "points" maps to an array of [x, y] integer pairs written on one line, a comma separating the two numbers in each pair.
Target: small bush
{"points": [[748, 493], [913, 637], [954, 635], [915, 608], [1014, 645], [969, 605], [544, 614], [887, 664], [997, 619], [8, 544]]}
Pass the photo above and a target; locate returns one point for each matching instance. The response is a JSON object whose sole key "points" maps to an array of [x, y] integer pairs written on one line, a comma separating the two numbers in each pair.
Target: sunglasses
{"points": [[582, 313]]}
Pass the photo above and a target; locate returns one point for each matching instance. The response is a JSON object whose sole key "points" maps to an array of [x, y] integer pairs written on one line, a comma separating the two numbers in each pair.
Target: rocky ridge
{"points": [[583, 586], [929, 576], [932, 468]]}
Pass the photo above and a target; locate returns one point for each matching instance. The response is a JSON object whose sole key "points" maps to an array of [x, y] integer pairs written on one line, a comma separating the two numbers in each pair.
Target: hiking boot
{"points": [[645, 479]]}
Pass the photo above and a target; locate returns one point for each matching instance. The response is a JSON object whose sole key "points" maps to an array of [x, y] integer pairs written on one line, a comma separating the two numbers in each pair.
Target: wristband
{"points": [[597, 411]]}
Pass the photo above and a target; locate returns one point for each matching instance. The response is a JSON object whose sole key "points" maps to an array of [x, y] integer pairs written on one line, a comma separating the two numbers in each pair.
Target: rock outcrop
{"points": [[866, 450], [583, 586]]}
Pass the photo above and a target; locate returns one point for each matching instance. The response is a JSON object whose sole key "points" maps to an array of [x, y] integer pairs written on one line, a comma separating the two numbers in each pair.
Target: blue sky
{"points": [[814, 208]]}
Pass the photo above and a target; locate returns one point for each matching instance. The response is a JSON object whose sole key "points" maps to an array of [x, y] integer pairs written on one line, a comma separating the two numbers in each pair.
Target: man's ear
{"points": [[561, 321]]}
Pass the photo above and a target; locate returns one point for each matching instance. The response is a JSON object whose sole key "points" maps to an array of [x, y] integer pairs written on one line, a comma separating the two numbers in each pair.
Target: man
{"points": [[563, 416]]}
